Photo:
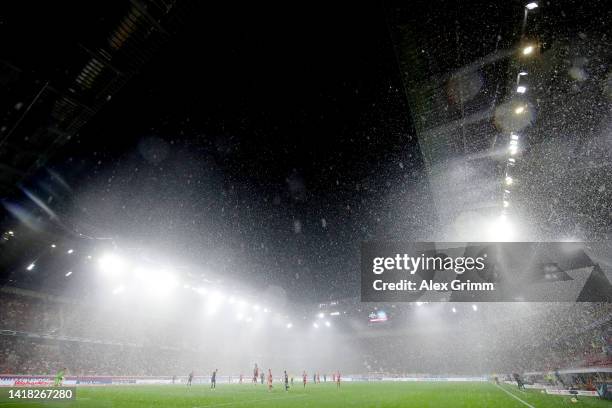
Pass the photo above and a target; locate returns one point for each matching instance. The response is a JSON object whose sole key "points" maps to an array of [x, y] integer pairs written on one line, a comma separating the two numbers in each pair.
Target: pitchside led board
{"points": [[484, 272]]}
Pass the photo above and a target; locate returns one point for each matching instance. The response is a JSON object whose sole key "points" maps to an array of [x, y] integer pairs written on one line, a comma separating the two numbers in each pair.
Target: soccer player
{"points": [[262, 377], [59, 377], [338, 379], [287, 381], [519, 381], [318, 379], [255, 374], [213, 379], [269, 379], [292, 381], [304, 378], [190, 378], [240, 381]]}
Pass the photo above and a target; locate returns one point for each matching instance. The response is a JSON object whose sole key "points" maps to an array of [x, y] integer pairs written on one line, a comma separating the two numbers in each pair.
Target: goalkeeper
{"points": [[59, 377]]}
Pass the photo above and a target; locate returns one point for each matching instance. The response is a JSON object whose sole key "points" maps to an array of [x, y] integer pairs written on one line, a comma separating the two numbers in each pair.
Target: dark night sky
{"points": [[262, 146]]}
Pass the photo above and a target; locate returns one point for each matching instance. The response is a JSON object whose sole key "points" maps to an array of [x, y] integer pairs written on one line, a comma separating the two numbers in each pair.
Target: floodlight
{"points": [[289, 325], [531, 6], [53, 245], [111, 263], [454, 310], [528, 50], [509, 180], [321, 315], [511, 160], [513, 143], [519, 110], [68, 273], [506, 204], [315, 325], [521, 89], [474, 307], [514, 136], [31, 266], [70, 251], [334, 314], [328, 324]]}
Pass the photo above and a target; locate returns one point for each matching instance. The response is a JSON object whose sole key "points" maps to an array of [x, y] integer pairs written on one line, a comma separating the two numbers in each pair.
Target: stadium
{"points": [[393, 204]]}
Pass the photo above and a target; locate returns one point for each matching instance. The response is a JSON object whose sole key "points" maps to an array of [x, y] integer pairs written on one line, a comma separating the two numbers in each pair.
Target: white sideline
{"points": [[258, 400], [514, 396]]}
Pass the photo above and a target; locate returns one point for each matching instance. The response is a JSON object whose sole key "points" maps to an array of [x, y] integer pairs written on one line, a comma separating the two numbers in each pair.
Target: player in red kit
{"points": [[255, 374], [304, 378], [338, 380], [269, 379]]}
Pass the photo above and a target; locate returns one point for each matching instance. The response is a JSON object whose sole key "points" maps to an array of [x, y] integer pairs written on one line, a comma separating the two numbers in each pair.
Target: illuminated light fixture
{"points": [[521, 89], [419, 304], [474, 307], [528, 50], [512, 150], [522, 73], [334, 314], [315, 325], [507, 191], [70, 251], [111, 263], [321, 315], [31, 266], [118, 290], [506, 204], [509, 180], [289, 325], [511, 160], [11, 233], [454, 310], [88, 256], [327, 324], [53, 245], [531, 6], [514, 136], [519, 110], [513, 143], [68, 273]]}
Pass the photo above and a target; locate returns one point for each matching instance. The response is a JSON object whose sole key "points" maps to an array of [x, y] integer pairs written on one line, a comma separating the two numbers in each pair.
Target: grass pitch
{"points": [[379, 395]]}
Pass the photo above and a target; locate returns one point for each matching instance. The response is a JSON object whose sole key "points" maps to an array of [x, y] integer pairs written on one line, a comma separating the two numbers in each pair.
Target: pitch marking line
{"points": [[514, 396], [251, 401]]}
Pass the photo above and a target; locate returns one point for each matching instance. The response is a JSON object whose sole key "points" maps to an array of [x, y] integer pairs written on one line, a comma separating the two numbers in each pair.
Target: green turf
{"points": [[386, 394]]}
